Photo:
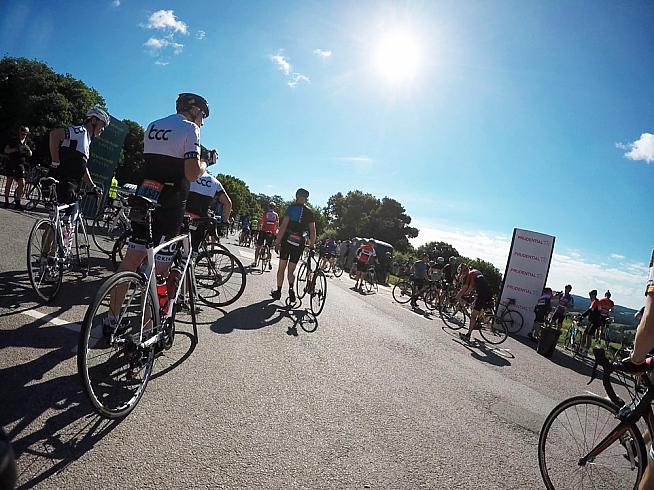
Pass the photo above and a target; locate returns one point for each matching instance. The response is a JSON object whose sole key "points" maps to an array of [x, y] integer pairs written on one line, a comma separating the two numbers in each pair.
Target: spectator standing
{"points": [[17, 151]]}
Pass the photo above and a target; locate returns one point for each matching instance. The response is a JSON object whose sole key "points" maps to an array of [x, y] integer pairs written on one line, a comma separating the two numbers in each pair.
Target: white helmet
{"points": [[100, 114]]}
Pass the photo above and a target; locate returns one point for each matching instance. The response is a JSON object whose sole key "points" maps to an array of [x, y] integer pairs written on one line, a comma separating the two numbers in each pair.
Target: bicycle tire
{"points": [[368, 282], [318, 294], [120, 248], [92, 336], [431, 297], [32, 196], [455, 316], [52, 269], [220, 277], [513, 321], [338, 270], [104, 233], [635, 442], [82, 249], [301, 280], [402, 292], [493, 331]]}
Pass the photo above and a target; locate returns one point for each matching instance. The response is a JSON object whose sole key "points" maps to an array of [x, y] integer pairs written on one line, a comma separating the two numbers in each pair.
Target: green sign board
{"points": [[105, 153]]}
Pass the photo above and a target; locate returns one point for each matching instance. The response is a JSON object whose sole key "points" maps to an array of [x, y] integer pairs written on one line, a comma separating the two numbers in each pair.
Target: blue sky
{"points": [[478, 116]]}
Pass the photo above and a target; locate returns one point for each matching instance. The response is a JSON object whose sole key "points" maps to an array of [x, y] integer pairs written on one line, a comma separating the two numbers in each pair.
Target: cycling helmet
{"points": [[593, 292], [568, 286], [99, 114], [272, 205], [24, 129], [187, 100], [440, 260], [607, 294], [302, 193], [452, 258]]}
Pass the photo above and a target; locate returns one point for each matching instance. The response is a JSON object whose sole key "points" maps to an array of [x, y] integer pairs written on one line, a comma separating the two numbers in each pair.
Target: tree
{"points": [[244, 203], [350, 214], [131, 160], [437, 249], [390, 223]]}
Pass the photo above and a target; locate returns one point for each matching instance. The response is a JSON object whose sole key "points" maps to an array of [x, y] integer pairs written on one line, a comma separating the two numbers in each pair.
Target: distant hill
{"points": [[621, 314]]}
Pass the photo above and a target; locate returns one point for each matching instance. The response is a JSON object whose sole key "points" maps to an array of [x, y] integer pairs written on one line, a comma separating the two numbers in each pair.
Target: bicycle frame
{"points": [[55, 219]]}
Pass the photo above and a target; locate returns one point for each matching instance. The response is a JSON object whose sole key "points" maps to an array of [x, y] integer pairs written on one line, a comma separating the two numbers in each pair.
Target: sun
{"points": [[397, 57]]}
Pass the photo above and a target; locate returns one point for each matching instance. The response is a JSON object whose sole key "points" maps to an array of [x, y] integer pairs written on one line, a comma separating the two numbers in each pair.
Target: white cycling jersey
{"points": [[172, 136], [78, 139], [202, 193]]}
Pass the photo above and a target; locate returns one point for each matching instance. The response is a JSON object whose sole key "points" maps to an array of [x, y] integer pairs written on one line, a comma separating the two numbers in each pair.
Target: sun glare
{"points": [[397, 57]]}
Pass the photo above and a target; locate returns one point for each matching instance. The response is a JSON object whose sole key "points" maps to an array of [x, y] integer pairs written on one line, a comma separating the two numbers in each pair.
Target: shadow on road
{"points": [[484, 352], [51, 421], [579, 364], [250, 317]]}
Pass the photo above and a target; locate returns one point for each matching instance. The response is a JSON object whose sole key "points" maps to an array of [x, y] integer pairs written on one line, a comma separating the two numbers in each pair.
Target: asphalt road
{"points": [[378, 396]]}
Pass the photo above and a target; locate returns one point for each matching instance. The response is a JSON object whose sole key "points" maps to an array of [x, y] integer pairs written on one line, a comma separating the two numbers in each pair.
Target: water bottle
{"points": [[172, 283], [162, 291]]}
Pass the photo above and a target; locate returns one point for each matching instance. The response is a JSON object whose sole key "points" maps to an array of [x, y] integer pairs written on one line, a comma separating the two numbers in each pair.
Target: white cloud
{"points": [[322, 53], [116, 3], [641, 149], [161, 63], [282, 63], [626, 282], [200, 35], [297, 78], [618, 256], [166, 20], [157, 44]]}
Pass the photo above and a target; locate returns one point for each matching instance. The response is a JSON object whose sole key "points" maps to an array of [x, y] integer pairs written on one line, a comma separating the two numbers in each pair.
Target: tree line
{"points": [[32, 94]]}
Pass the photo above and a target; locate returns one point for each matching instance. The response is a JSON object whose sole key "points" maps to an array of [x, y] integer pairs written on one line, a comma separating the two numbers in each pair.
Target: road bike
{"points": [[311, 280], [404, 290], [330, 263], [34, 191], [589, 441], [110, 223], [56, 244], [131, 320], [370, 279], [573, 338], [265, 256]]}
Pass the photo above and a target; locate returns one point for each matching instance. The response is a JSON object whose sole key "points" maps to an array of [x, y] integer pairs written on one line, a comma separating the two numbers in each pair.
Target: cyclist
{"points": [[290, 241], [328, 252], [69, 149], [17, 151], [594, 317], [542, 309], [606, 306], [268, 233], [365, 257], [172, 160], [473, 281], [245, 232], [449, 270], [203, 192], [566, 301], [420, 272]]}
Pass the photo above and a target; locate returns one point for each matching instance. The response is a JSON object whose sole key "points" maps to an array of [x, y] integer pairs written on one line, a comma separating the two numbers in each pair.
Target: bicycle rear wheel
{"points": [[402, 292], [106, 228], [572, 430], [120, 248], [44, 272], [338, 270], [432, 299], [220, 277], [82, 249], [113, 368], [492, 331], [318, 293], [513, 321]]}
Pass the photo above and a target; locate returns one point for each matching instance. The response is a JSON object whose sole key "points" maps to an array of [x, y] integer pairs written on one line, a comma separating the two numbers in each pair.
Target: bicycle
{"points": [[50, 246], [312, 280], [370, 279], [109, 224], [405, 290], [142, 328], [33, 190], [265, 257], [577, 433]]}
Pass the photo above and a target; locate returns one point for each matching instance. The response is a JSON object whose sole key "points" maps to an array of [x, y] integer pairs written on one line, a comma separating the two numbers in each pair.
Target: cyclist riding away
{"points": [[245, 232], [365, 257], [606, 306], [594, 317], [171, 152], [290, 241], [473, 281], [17, 151], [268, 233]]}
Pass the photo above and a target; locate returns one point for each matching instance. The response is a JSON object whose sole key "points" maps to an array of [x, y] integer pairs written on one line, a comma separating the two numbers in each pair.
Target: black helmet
{"points": [[186, 100], [607, 294], [24, 129], [593, 292], [302, 193]]}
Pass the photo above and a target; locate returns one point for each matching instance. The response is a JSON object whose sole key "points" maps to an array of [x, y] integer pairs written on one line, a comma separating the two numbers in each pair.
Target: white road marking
{"points": [[75, 327]]}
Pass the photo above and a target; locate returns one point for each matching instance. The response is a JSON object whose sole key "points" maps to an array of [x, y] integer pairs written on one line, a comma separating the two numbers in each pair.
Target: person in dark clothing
{"points": [[594, 314], [17, 152]]}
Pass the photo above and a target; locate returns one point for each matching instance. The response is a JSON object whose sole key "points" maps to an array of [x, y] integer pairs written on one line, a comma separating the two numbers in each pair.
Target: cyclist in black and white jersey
{"points": [[171, 151], [69, 150], [203, 193]]}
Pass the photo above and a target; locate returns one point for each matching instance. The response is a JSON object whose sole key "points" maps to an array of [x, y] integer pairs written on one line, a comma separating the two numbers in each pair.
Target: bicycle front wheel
{"points": [[402, 292], [318, 293], [220, 277], [492, 331], [338, 270], [454, 316], [575, 427], [513, 321], [113, 366], [44, 272], [301, 280]]}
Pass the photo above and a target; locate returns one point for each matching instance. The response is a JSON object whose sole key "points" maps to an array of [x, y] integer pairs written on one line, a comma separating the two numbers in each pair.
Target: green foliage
{"points": [[244, 203], [131, 161], [437, 249], [32, 94]]}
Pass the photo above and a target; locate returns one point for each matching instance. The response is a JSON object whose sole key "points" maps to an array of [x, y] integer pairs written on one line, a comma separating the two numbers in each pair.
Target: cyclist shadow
{"points": [[251, 317], [481, 351], [52, 422]]}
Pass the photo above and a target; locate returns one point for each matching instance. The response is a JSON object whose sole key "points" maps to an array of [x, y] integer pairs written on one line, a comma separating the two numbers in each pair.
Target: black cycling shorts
{"points": [[265, 236], [166, 223], [592, 328], [16, 170], [67, 192], [362, 266], [289, 252]]}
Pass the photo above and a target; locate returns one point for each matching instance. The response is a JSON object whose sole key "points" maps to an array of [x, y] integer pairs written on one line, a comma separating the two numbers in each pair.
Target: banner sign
{"points": [[103, 158], [526, 272]]}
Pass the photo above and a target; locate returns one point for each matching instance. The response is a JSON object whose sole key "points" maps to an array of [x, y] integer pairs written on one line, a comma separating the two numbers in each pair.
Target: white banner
{"points": [[526, 272]]}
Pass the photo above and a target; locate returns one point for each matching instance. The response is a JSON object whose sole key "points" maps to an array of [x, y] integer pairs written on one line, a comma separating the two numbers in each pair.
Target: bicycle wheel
{"points": [[106, 229], [402, 292], [32, 196], [432, 299], [512, 320], [492, 331], [318, 293], [82, 249], [120, 248], [338, 270], [44, 272], [572, 430], [301, 280], [367, 281], [454, 316], [114, 368], [220, 277]]}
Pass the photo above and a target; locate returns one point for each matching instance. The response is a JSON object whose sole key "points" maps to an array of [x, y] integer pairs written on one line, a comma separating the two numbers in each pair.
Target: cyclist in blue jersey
{"points": [[290, 242]]}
